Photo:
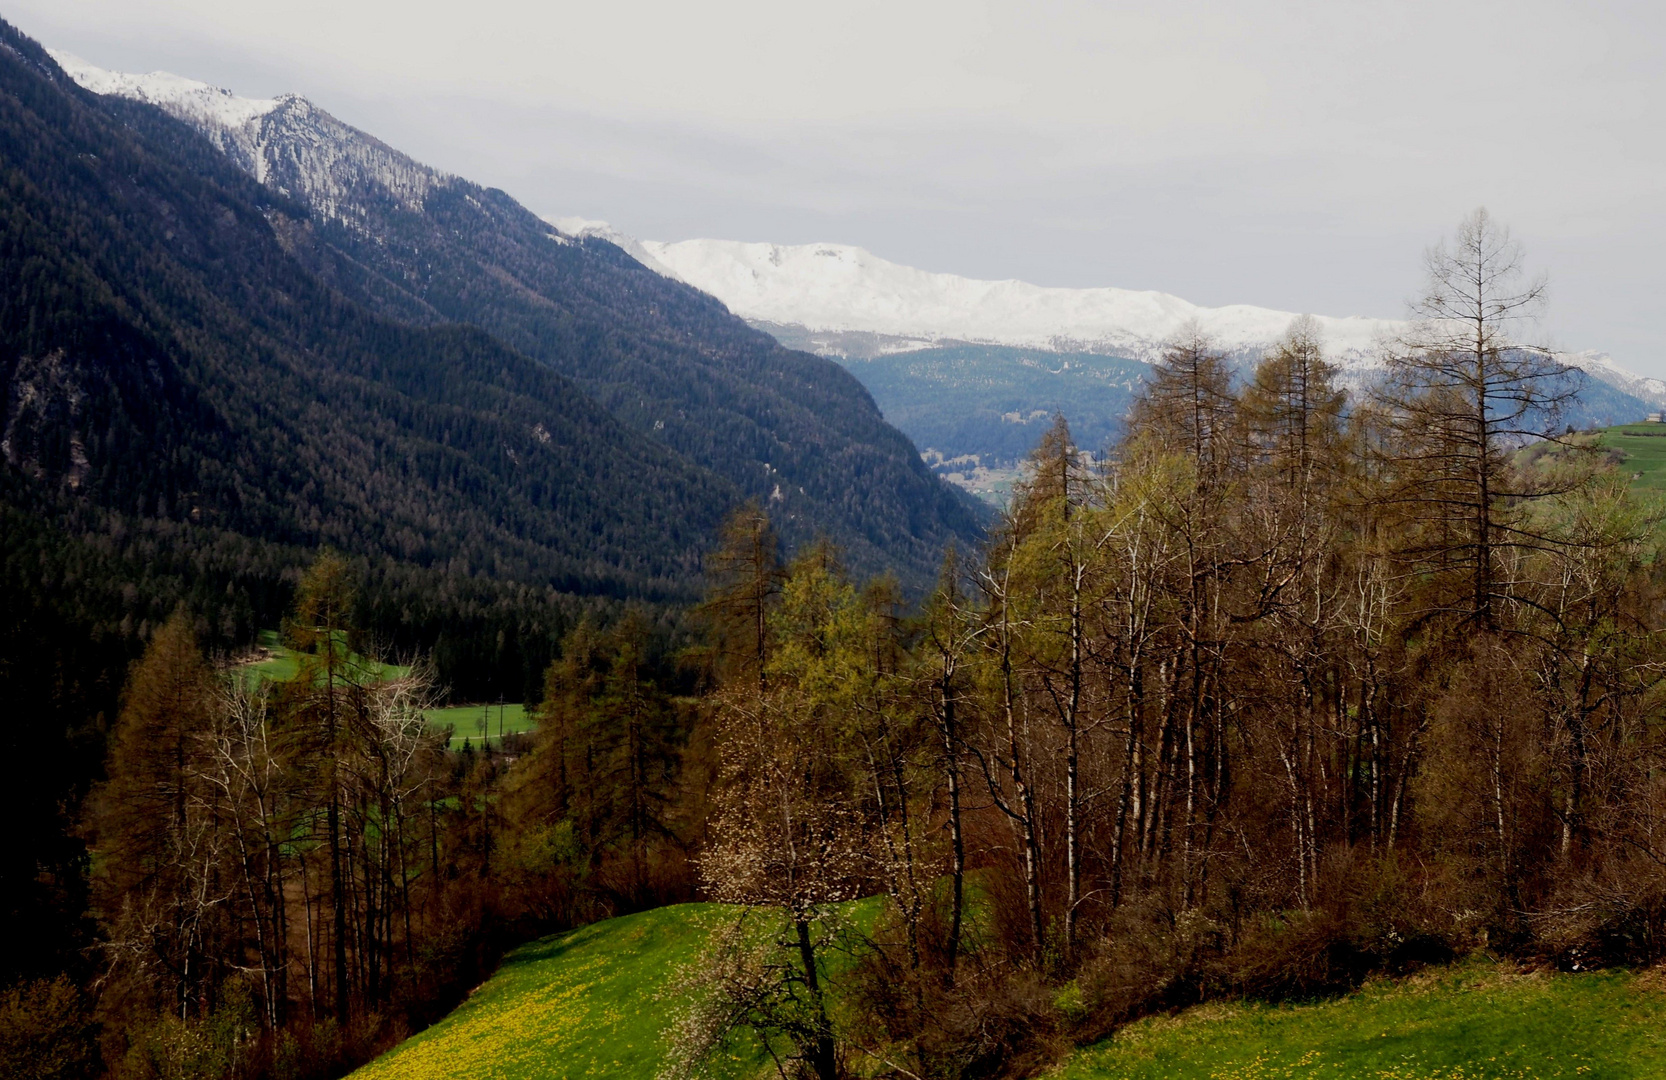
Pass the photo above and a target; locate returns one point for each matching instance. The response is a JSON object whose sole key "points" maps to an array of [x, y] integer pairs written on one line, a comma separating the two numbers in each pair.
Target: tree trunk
{"points": [[823, 1056]]}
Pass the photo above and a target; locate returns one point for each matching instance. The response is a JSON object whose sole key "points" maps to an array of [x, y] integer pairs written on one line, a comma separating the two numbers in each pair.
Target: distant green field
{"points": [[279, 664], [1474, 1021], [469, 721], [1644, 447]]}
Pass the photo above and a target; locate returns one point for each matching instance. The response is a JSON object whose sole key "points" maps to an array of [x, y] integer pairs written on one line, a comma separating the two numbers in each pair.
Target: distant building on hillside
{"points": [[1657, 418]]}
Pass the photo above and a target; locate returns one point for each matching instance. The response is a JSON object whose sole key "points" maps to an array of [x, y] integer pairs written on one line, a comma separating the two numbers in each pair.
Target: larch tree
{"points": [[743, 580], [1187, 404], [321, 633], [1467, 386], [156, 841], [786, 833]]}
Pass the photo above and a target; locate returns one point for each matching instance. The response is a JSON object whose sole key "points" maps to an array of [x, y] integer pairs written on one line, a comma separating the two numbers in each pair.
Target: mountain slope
{"points": [[792, 430], [175, 381], [993, 402]]}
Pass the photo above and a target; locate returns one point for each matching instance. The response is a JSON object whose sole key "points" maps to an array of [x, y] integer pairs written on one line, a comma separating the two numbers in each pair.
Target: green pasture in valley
{"points": [[469, 721], [275, 662], [1643, 447], [1474, 1021], [1636, 451]]}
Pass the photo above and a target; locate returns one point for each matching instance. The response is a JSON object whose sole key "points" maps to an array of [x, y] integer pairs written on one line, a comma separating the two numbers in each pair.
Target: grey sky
{"points": [[1299, 156]]}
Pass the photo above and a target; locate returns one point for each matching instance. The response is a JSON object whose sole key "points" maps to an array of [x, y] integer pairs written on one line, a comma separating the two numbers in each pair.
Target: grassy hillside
{"points": [[597, 1003], [1476, 1021], [593, 1003], [1643, 447]]}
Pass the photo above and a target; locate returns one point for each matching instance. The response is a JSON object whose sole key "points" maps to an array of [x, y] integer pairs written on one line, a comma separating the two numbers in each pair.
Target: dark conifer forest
{"points": [[1289, 687]]}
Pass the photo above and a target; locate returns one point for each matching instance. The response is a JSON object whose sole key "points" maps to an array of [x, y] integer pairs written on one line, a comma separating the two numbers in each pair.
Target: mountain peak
{"points": [[286, 142], [186, 98]]}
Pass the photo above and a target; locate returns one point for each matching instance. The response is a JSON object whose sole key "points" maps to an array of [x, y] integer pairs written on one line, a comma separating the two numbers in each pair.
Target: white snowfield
{"points": [[292, 145], [837, 288]]}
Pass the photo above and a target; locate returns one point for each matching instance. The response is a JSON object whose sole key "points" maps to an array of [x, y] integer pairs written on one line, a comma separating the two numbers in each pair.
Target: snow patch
{"points": [[186, 98], [287, 142]]}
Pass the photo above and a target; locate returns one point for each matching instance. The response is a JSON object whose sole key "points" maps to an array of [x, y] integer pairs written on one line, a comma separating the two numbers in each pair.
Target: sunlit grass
{"points": [[600, 1002], [1644, 447], [1476, 1021], [593, 1003]]}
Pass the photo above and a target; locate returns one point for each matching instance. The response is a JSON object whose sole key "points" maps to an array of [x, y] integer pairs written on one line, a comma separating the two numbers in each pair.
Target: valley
{"points": [[441, 640]]}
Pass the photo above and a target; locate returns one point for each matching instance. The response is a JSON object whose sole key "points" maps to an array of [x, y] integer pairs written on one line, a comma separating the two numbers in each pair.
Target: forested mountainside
{"points": [[992, 403], [174, 377], [995, 402], [187, 414], [794, 431]]}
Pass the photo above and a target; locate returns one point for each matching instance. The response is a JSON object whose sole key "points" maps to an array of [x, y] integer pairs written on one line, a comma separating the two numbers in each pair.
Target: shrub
{"points": [[46, 1032]]}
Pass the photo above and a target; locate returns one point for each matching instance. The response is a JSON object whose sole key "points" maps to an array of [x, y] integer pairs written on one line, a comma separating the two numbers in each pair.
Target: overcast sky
{"points": [[1299, 156]]}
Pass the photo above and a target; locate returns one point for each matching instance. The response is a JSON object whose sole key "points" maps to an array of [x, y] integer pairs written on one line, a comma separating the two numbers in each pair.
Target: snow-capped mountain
{"points": [[833, 299], [839, 288], [421, 246], [287, 142], [846, 301]]}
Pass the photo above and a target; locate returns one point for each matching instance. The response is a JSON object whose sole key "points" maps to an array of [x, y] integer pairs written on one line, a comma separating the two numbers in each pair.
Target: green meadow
{"points": [[1474, 1021], [596, 1002], [469, 721], [599, 1003], [1643, 447], [275, 662]]}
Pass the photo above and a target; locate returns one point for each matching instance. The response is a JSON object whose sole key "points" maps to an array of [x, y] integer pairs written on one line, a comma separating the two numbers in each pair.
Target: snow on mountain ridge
{"points": [[582, 227], [842, 288], [186, 98], [286, 142], [299, 149]]}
